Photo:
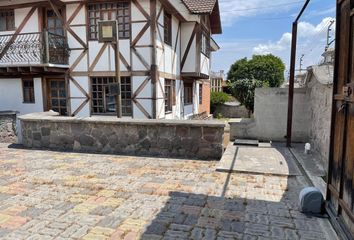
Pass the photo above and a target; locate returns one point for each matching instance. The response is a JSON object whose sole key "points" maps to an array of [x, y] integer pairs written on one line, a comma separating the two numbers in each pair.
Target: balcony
{"points": [[33, 53]]}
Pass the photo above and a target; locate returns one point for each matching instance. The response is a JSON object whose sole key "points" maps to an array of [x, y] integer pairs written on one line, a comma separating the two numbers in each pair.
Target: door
{"points": [[340, 192], [57, 96]]}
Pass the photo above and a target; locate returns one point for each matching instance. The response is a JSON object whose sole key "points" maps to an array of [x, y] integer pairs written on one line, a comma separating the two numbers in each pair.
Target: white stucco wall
{"points": [[11, 96]]}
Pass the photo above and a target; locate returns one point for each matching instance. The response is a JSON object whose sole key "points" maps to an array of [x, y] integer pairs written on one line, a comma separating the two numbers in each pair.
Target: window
{"points": [[7, 20], [205, 44], [57, 96], [54, 24], [167, 28], [200, 93], [28, 90], [109, 11], [170, 94], [105, 103], [188, 93]]}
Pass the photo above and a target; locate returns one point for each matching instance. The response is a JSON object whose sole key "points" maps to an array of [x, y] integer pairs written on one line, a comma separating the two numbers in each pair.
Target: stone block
{"points": [[86, 140], [45, 131]]}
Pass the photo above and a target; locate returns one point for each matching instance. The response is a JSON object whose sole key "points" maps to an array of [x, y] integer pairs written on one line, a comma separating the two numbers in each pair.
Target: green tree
{"points": [[267, 68], [244, 89]]}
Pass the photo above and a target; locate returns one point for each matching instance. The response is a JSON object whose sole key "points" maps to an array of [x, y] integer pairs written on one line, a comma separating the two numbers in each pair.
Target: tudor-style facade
{"points": [[50, 57]]}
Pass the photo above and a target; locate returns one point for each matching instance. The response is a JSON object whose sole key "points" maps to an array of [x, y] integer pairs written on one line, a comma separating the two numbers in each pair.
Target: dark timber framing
{"points": [[70, 74]]}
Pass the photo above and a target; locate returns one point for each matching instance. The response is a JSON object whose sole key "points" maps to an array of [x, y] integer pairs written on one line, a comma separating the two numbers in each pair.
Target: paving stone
{"points": [[102, 210], [210, 234], [232, 226], [32, 212], [65, 206], [110, 222], [257, 229], [4, 232], [151, 237], [70, 231], [172, 234], [229, 235], [66, 195], [157, 228], [197, 233]]}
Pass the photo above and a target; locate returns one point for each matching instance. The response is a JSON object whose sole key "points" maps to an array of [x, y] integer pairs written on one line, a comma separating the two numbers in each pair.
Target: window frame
{"points": [[205, 44], [98, 15], [32, 97], [167, 28], [200, 93], [57, 28], [170, 95], [10, 25], [102, 84], [188, 94]]}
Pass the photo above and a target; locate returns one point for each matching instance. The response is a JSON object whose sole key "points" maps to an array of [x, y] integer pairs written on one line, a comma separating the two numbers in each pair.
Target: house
{"points": [[217, 81], [51, 59]]}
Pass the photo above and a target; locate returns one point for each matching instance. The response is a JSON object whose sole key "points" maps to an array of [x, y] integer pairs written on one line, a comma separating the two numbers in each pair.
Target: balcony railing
{"points": [[33, 49]]}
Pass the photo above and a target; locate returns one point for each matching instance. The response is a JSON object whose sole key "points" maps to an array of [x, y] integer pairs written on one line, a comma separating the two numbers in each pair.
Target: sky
{"points": [[262, 27]]}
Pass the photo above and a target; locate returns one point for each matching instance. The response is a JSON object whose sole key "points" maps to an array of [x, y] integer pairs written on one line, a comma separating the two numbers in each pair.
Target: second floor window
{"points": [[119, 11], [54, 24], [7, 20], [205, 44], [167, 28]]}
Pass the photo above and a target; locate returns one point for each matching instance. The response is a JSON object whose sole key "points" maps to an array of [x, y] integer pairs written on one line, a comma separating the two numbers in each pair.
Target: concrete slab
{"points": [[312, 165], [275, 160], [246, 142]]}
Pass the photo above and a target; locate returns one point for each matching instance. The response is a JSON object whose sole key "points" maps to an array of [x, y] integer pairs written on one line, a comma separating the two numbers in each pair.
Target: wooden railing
{"points": [[33, 48]]}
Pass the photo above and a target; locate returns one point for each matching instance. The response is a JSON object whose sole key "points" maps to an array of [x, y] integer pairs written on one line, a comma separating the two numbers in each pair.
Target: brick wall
{"points": [[205, 106]]}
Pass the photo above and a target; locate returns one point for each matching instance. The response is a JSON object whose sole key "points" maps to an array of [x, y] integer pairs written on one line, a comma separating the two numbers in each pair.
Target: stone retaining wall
{"points": [[166, 138], [8, 127]]}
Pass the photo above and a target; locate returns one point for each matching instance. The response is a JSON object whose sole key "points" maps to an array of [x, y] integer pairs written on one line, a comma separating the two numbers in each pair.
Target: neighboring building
{"points": [[50, 57], [217, 81]]}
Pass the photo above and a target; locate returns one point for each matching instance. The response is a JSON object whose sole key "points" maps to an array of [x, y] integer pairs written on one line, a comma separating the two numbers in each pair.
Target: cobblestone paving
{"points": [[54, 195]]}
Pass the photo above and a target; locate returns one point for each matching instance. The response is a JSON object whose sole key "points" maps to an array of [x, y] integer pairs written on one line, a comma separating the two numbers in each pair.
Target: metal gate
{"points": [[341, 163]]}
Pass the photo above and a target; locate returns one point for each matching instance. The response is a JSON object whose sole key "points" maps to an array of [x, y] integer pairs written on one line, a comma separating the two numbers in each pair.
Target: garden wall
{"points": [[270, 117], [8, 127], [166, 138]]}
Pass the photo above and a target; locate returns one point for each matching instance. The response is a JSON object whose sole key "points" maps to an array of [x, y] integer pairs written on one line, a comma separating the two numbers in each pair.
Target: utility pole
{"points": [[329, 29], [292, 76], [301, 60]]}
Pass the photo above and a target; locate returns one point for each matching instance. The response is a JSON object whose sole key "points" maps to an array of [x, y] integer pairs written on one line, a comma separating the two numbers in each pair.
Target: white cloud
{"points": [[311, 42], [270, 47]]}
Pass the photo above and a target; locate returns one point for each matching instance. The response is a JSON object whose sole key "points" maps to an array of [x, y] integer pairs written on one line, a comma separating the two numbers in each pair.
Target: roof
{"points": [[200, 6], [210, 7]]}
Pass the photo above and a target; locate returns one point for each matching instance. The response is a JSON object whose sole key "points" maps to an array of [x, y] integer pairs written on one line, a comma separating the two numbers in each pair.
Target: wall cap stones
{"points": [[54, 117]]}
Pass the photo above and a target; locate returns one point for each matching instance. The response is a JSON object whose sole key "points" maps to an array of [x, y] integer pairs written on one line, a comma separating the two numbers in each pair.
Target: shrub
{"points": [[217, 99]]}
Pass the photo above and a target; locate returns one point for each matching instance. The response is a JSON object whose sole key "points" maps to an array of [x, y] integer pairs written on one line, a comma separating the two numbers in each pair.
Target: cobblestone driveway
{"points": [[54, 195]]}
